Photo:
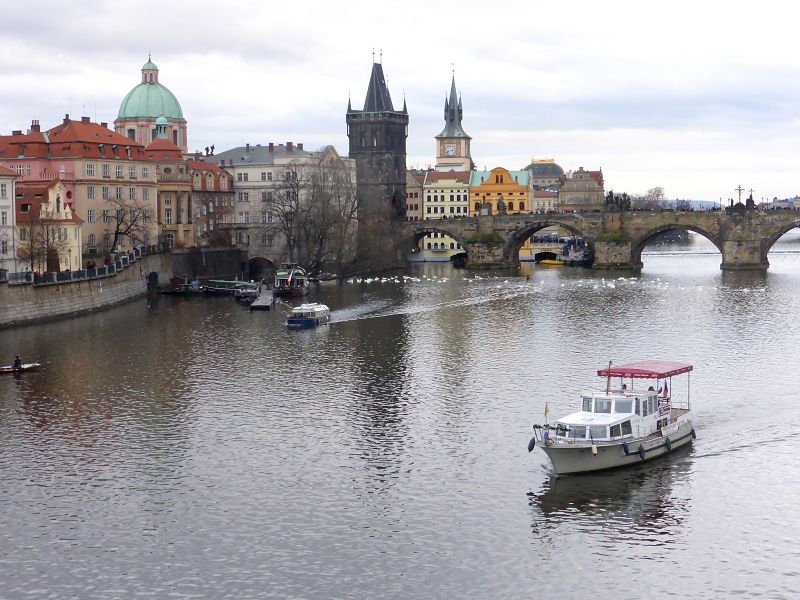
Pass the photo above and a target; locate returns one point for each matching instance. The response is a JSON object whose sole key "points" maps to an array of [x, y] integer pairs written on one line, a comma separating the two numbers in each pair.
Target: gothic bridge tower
{"points": [[377, 137]]}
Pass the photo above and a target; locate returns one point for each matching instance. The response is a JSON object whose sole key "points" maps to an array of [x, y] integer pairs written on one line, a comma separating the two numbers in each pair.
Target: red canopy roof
{"points": [[647, 369]]}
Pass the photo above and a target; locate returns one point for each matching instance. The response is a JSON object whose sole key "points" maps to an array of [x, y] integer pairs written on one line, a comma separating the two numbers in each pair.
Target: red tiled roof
{"points": [[6, 172], [436, 176], [35, 195]]}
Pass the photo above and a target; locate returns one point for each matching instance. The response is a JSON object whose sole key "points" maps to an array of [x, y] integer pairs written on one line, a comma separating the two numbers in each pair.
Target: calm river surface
{"points": [[198, 450]]}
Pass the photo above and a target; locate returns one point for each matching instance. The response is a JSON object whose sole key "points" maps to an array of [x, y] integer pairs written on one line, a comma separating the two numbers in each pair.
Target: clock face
{"points": [[449, 150]]}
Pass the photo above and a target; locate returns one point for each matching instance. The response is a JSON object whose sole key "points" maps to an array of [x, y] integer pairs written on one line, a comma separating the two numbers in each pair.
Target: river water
{"points": [[194, 449]]}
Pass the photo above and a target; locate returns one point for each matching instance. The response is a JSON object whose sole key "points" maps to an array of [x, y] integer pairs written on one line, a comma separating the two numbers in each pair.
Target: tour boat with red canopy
{"points": [[624, 423]]}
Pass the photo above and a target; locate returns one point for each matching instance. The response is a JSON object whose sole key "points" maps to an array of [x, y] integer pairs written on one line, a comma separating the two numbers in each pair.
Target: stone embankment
{"points": [[26, 299]]}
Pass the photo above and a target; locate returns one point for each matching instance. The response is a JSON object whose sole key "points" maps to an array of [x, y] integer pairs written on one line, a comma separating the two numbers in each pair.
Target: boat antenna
{"points": [[608, 379]]}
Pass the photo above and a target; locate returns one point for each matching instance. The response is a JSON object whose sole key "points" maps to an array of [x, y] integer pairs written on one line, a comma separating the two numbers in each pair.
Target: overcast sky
{"points": [[697, 97]]}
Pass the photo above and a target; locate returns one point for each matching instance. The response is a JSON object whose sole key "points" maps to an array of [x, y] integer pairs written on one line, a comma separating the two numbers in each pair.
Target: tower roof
{"points": [[453, 112], [378, 98]]}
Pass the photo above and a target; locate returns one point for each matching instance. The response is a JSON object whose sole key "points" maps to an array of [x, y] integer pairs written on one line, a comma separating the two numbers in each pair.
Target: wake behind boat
{"points": [[19, 368], [621, 426]]}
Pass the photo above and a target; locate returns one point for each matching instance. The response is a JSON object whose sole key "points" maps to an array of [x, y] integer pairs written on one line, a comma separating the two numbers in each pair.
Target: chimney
{"points": [[66, 119], [35, 126], [271, 147], [300, 146], [104, 125], [85, 120], [17, 132], [288, 146], [247, 148]]}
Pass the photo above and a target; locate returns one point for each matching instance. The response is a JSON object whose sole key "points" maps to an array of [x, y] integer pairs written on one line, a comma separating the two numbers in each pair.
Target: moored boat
{"points": [[19, 368], [308, 315], [291, 281], [621, 426]]}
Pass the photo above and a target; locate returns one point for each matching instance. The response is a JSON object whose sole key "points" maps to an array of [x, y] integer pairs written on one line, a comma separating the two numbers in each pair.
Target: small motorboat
{"points": [[308, 315], [20, 368], [623, 425]]}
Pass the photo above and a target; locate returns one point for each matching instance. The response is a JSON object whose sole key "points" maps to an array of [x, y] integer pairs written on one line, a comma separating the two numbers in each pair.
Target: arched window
{"points": [[477, 207], [521, 206], [169, 240], [510, 206]]}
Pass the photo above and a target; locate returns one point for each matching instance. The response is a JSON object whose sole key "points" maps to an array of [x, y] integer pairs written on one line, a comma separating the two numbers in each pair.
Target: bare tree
{"points": [[286, 205], [45, 241], [129, 218]]}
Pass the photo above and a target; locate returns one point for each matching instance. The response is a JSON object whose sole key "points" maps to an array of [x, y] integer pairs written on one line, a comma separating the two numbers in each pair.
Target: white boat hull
{"points": [[579, 457]]}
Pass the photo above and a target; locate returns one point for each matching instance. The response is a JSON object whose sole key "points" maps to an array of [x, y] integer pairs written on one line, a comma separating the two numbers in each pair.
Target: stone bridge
{"points": [[743, 236]]}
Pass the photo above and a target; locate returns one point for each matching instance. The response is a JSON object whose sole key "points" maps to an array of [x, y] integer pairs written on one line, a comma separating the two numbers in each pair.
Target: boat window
{"points": [[644, 407], [598, 432], [638, 412], [623, 406], [651, 404], [626, 428], [615, 431], [602, 405], [578, 432], [587, 404]]}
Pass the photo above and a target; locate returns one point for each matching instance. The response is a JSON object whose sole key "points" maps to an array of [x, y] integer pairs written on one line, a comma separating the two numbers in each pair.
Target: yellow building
{"points": [[499, 191]]}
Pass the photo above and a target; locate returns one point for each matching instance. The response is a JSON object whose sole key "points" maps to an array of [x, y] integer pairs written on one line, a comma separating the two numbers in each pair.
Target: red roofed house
{"points": [[109, 180], [48, 229], [213, 204]]}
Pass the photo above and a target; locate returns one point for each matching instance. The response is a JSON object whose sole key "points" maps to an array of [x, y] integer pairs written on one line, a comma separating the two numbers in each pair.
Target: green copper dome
{"points": [[150, 99]]}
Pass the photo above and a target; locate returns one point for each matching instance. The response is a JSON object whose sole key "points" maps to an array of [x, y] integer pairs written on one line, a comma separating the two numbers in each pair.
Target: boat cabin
{"points": [[616, 414]]}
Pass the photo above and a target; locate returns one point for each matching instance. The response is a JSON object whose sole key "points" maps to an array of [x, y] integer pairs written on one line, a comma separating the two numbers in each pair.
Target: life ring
{"points": [[694, 435], [625, 448], [641, 451], [668, 444]]}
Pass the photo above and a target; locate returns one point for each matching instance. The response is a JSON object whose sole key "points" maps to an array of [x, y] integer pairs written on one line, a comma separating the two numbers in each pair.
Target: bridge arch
{"points": [[259, 268], [776, 233], [430, 227], [644, 240], [518, 237]]}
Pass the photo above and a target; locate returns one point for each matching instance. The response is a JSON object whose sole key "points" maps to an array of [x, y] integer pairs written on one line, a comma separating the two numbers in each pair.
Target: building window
{"points": [[269, 175], [4, 217], [132, 172], [521, 206], [106, 170], [118, 171], [244, 196], [118, 193], [4, 247], [90, 169], [106, 216], [167, 200], [147, 213], [106, 192], [90, 192], [145, 172], [132, 193], [91, 216], [145, 194], [131, 134], [168, 216], [92, 241], [242, 176]]}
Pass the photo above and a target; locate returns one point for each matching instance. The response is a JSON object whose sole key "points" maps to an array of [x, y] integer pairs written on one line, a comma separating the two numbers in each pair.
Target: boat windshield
{"points": [[587, 404], [623, 405], [602, 405]]}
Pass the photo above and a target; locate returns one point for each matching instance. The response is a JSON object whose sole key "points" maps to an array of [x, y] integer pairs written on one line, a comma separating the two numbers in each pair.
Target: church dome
{"points": [[544, 169], [150, 99]]}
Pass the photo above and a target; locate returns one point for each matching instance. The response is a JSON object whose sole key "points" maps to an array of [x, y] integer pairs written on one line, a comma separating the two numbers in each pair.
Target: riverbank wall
{"points": [[47, 299]]}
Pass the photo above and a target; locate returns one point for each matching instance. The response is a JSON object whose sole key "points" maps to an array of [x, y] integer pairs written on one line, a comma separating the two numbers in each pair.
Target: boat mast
{"points": [[608, 379]]}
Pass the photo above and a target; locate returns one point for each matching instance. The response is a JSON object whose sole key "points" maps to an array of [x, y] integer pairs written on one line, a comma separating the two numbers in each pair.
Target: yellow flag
{"points": [[546, 408]]}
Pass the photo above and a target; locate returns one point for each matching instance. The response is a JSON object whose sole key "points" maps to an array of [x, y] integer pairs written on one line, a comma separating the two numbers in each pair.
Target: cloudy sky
{"points": [[697, 97]]}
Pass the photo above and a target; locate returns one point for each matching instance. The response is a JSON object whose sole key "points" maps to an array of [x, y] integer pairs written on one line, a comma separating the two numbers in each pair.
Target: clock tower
{"points": [[452, 144]]}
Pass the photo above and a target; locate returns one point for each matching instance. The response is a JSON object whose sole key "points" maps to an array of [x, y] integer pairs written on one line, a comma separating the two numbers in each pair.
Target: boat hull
{"points": [[24, 367], [306, 322], [573, 458]]}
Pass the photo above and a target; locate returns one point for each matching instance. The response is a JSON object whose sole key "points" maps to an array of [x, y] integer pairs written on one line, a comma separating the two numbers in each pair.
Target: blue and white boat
{"points": [[308, 315]]}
